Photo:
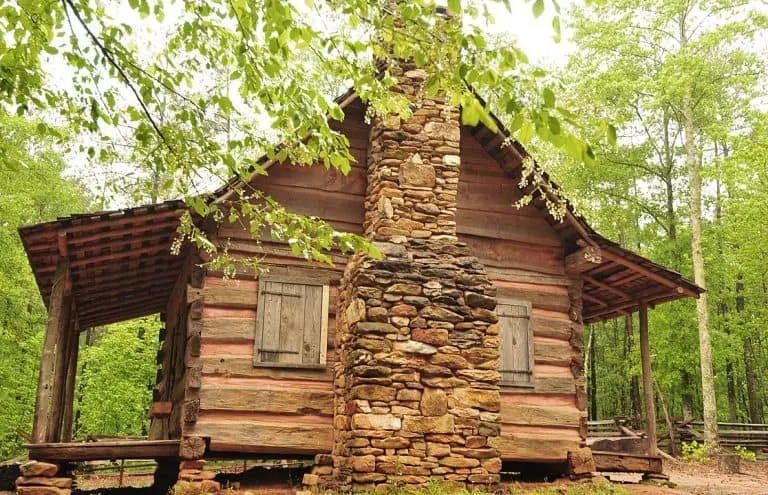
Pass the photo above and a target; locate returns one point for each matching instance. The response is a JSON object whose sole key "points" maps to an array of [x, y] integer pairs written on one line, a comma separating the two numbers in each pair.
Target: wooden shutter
{"points": [[291, 323], [516, 343]]}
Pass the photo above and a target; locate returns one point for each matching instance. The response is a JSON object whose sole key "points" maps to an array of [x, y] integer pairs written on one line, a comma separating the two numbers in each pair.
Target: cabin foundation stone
{"points": [[417, 380], [40, 478]]}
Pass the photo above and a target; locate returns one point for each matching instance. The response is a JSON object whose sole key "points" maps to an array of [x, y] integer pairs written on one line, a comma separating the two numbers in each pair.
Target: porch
{"points": [[94, 270]]}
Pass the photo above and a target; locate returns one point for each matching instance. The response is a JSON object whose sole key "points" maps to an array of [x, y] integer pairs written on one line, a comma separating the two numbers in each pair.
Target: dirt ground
{"points": [[699, 479]]}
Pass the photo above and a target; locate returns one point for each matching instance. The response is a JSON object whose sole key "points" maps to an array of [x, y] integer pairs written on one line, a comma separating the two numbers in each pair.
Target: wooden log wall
{"points": [[246, 409], [525, 258], [169, 393]]}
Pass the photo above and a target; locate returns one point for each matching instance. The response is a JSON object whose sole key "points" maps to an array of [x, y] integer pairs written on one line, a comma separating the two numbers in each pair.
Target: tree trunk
{"points": [[635, 405], [705, 344], [686, 382], [592, 375]]}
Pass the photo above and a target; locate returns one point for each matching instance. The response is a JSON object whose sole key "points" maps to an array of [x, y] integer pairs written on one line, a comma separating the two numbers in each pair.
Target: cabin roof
{"points": [[122, 267]]}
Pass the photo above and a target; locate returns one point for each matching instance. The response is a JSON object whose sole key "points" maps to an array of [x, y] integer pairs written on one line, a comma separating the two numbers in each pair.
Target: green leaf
{"points": [[556, 28], [454, 6], [612, 139], [538, 8], [549, 98]]}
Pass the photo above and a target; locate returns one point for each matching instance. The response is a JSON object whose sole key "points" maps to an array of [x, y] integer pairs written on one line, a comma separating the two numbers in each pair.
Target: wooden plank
{"points": [[228, 297], [292, 322], [518, 414], [266, 438], [626, 463], [552, 298], [228, 328], [58, 320], [535, 448], [506, 226], [525, 276], [278, 400], [67, 422], [327, 205], [516, 343], [324, 323], [314, 317], [239, 366], [556, 328], [317, 177], [93, 451], [268, 323], [546, 385], [553, 353]]}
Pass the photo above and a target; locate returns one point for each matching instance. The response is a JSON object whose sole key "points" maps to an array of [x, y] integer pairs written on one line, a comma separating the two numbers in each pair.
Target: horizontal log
{"points": [[317, 177], [555, 328], [553, 353], [526, 275], [517, 414], [548, 297], [506, 226], [230, 297], [536, 448], [93, 451], [545, 385], [283, 400], [265, 438], [626, 463], [327, 205], [228, 328], [242, 367]]}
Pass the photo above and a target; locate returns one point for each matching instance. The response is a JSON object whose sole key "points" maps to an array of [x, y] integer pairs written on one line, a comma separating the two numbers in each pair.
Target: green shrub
{"points": [[695, 452], [745, 454]]}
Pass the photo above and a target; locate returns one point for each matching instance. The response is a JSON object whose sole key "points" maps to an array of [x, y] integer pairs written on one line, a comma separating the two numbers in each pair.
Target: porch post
{"points": [[645, 358], [69, 390], [63, 349], [59, 305]]}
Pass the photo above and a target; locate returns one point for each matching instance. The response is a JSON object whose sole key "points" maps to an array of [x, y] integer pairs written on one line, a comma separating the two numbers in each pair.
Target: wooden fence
{"points": [[753, 436], [748, 435]]}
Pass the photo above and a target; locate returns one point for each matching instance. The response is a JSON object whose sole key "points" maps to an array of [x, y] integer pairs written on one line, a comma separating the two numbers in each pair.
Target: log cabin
{"points": [[458, 350]]}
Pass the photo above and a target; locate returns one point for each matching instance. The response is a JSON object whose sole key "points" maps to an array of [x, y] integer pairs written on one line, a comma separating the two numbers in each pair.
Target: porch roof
{"points": [[120, 262]]}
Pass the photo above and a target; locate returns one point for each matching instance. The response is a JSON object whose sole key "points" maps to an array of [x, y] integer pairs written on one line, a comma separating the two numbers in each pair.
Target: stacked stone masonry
{"points": [[193, 476], [42, 478], [416, 385]]}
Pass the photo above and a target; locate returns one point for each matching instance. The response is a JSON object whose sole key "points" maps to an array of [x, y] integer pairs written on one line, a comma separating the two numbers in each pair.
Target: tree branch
{"points": [[108, 55]]}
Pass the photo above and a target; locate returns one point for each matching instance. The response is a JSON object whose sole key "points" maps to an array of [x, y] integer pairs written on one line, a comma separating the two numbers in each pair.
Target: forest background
{"points": [[672, 84]]}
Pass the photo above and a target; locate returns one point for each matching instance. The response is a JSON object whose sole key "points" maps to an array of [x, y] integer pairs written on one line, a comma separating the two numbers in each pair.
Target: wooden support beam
{"points": [[645, 358], [63, 348], [67, 422], [583, 260], [648, 273], [593, 299], [612, 290], [58, 318]]}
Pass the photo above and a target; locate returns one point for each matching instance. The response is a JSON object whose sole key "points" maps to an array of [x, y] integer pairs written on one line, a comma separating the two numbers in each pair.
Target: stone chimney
{"points": [[416, 385]]}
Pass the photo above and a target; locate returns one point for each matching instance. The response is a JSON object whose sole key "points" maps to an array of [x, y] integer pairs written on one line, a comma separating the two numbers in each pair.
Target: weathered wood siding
{"points": [[525, 258], [255, 409], [243, 408], [170, 386]]}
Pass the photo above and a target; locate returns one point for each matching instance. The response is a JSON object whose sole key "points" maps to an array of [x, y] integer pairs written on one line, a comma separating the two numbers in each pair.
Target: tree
{"points": [[33, 191], [674, 74], [278, 56]]}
